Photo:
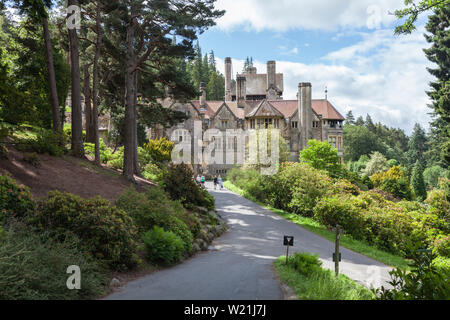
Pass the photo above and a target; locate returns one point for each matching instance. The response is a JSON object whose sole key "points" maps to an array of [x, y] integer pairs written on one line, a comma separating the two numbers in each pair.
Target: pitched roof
{"points": [[264, 109], [285, 108], [322, 107], [213, 106], [326, 109]]}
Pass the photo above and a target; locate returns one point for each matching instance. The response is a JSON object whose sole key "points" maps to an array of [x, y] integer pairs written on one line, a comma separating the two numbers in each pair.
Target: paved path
{"points": [[240, 265]]}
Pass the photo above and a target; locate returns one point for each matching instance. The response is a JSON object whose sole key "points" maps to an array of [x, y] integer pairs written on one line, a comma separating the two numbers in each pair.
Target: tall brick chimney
{"points": [[203, 94], [228, 66], [304, 113], [241, 91], [271, 74]]}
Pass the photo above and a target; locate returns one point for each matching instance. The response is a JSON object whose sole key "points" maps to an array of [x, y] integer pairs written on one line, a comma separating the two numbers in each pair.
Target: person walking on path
{"points": [[203, 181], [220, 181], [198, 180], [215, 182]]}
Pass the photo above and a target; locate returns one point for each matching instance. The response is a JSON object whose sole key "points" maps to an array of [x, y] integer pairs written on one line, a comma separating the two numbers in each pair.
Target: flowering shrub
{"points": [[15, 200], [105, 231], [395, 181], [160, 150]]}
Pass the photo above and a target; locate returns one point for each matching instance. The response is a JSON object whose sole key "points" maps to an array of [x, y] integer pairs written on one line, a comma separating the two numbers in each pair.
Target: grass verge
{"points": [[345, 240], [321, 284]]}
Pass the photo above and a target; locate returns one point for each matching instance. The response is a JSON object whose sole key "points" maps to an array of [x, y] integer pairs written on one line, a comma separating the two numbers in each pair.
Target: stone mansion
{"points": [[255, 101]]}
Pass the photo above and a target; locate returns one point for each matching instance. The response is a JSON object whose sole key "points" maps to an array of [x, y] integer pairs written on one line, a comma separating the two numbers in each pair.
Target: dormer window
{"points": [[294, 124]]}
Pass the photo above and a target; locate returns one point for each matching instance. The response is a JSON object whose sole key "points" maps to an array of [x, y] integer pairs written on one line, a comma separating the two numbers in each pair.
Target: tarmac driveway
{"points": [[239, 264]]}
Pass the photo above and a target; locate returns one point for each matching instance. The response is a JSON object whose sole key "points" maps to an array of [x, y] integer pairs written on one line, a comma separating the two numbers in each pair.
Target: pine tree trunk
{"points": [[95, 86], [87, 106], [130, 104], [57, 127], [77, 125]]}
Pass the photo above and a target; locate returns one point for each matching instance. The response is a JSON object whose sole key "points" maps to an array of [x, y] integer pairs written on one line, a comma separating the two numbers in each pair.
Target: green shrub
{"points": [[345, 186], [160, 150], [180, 185], [15, 200], [424, 282], [153, 172], [305, 263], [154, 208], [297, 187], [340, 211], [106, 231], [395, 181], [439, 204], [105, 152], [45, 141], [163, 247], [442, 245], [33, 267]]}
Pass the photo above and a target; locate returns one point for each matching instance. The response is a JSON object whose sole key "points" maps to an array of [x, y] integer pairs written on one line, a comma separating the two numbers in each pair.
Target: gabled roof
{"points": [[265, 109], [321, 107], [280, 108], [213, 106]]}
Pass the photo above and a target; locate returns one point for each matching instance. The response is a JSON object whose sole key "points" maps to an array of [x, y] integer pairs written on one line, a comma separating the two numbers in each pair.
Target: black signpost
{"points": [[288, 241]]}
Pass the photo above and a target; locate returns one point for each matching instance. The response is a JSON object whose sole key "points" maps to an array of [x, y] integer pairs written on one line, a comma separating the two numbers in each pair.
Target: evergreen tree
{"points": [[349, 118], [359, 121], [417, 145], [215, 89], [369, 124], [438, 27], [417, 181], [148, 49]]}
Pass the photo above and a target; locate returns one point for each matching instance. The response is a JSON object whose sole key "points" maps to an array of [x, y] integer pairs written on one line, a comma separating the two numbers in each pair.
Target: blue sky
{"points": [[346, 45]]}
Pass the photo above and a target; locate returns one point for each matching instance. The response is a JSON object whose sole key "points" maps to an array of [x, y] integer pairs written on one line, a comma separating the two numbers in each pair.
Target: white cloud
{"points": [[282, 15], [382, 75]]}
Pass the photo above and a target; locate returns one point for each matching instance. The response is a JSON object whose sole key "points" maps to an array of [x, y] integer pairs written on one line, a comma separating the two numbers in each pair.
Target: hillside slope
{"points": [[67, 174]]}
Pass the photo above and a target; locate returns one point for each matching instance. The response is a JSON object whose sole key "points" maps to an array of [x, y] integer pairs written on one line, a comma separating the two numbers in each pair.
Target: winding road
{"points": [[238, 265]]}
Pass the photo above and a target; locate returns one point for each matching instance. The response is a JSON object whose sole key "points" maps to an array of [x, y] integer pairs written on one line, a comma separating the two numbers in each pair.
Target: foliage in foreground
{"points": [[33, 267], [163, 247], [423, 282], [310, 281], [106, 231]]}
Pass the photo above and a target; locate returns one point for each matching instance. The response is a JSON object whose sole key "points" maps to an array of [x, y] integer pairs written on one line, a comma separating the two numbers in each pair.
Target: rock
{"points": [[114, 283], [202, 210], [195, 247], [205, 245]]}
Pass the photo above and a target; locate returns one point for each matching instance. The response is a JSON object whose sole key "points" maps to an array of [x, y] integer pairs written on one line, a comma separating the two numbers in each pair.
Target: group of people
{"points": [[217, 181]]}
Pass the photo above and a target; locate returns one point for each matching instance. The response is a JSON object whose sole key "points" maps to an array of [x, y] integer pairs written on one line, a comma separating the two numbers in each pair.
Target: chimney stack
{"points": [[203, 92], [241, 91], [304, 113], [228, 79], [271, 74]]}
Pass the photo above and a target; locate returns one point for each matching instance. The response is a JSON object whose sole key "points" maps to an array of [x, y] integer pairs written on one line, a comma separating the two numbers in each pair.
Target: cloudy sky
{"points": [[347, 46]]}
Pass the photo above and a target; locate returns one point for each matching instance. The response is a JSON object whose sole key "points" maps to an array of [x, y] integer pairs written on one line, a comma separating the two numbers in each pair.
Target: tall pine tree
{"points": [[438, 36]]}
